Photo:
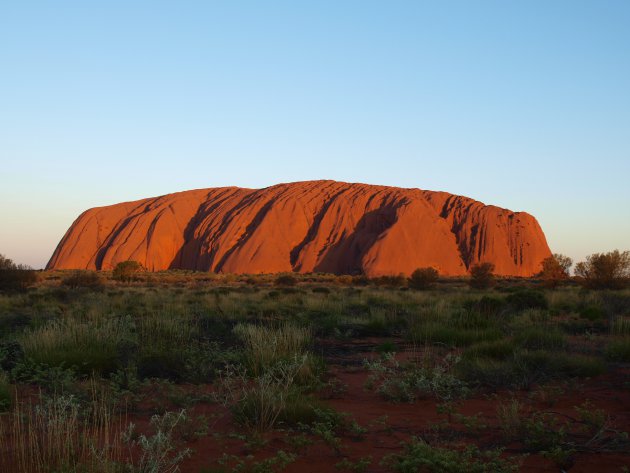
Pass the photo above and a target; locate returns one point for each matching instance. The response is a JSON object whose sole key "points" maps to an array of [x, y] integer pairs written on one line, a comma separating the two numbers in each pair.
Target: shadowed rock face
{"points": [[314, 226]]}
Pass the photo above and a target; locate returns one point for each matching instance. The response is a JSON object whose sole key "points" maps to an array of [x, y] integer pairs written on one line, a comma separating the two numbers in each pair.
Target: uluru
{"points": [[312, 226]]}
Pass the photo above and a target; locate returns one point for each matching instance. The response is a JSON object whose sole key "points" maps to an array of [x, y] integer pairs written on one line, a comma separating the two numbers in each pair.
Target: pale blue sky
{"points": [[524, 105]]}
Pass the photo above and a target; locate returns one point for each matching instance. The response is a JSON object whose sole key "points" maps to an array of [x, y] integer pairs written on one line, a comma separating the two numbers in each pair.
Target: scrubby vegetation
{"points": [[195, 372]]}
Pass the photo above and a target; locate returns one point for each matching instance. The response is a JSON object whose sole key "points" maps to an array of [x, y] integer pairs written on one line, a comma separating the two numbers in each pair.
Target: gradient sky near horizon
{"points": [[525, 105]]}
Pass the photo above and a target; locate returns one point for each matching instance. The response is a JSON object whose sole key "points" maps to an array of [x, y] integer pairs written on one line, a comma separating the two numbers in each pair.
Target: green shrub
{"points": [[286, 280], [527, 299], [540, 338], [592, 313], [496, 349], [526, 367], [423, 278], [259, 404], [450, 335], [546, 365], [127, 271], [619, 350], [419, 456], [487, 306], [482, 276], [406, 382], [11, 353]]}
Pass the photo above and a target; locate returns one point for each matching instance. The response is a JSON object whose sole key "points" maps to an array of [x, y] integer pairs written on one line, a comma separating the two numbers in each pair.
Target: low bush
{"points": [[482, 276], [527, 299], [592, 313], [390, 280], [83, 279], [540, 338], [496, 350], [488, 306], [442, 333], [11, 353], [423, 278], [406, 382], [419, 456], [619, 350], [525, 368], [127, 271], [286, 280]]}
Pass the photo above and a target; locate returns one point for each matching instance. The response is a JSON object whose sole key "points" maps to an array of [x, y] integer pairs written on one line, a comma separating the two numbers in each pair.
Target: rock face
{"points": [[314, 226]]}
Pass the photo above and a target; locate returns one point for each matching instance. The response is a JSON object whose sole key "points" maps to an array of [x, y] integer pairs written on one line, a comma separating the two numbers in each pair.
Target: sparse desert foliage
{"points": [[213, 365], [605, 270]]}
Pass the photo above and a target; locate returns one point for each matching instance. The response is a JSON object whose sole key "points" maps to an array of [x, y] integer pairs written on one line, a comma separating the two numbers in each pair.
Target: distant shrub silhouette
{"points": [[286, 280], [127, 271], [604, 270], [15, 277], [86, 279], [391, 280], [481, 276], [423, 278], [555, 269]]}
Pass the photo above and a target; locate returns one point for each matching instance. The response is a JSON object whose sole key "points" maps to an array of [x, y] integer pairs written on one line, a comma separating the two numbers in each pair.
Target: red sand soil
{"points": [[313, 226], [389, 424]]}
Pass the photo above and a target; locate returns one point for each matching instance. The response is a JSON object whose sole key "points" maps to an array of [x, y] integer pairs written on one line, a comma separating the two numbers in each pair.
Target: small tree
{"points": [[481, 275], [605, 270], [555, 269], [127, 271], [15, 277], [423, 278]]}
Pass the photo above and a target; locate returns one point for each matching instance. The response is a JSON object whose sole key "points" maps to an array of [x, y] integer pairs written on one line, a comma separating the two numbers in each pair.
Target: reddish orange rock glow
{"points": [[313, 226]]}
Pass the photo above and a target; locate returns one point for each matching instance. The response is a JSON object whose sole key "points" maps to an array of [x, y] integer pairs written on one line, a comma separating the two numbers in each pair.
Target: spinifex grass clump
{"points": [[163, 342], [266, 346], [90, 345], [543, 338], [274, 395]]}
